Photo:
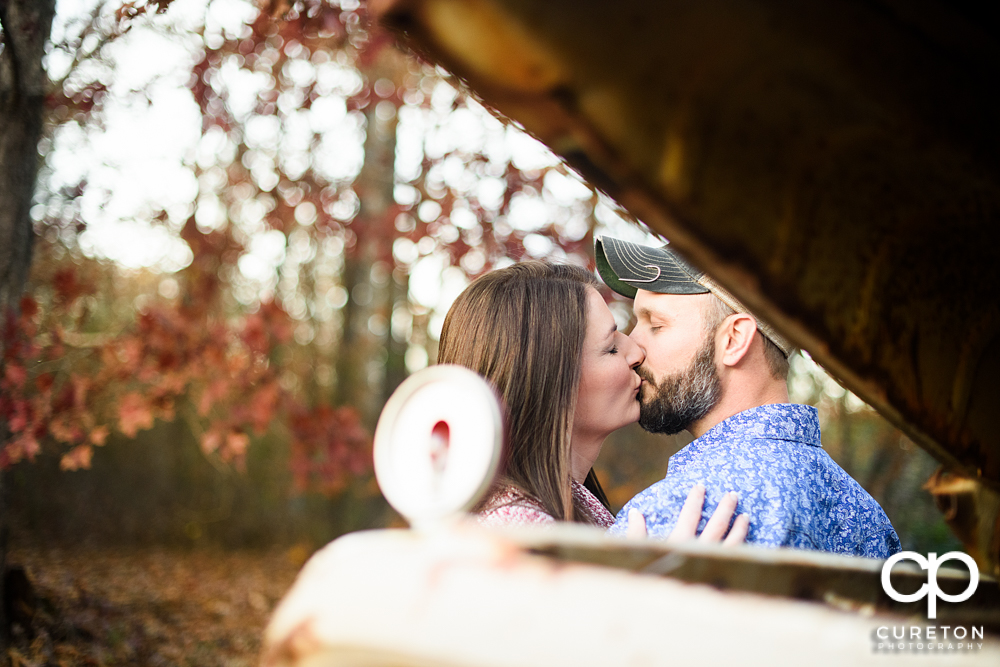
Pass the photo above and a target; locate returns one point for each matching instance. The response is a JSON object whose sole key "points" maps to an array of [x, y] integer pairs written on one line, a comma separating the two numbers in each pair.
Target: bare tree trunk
{"points": [[361, 370], [358, 378], [23, 85], [25, 27]]}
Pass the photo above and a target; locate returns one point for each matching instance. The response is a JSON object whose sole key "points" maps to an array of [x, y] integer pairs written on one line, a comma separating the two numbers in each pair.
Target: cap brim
{"points": [[628, 267], [608, 274]]}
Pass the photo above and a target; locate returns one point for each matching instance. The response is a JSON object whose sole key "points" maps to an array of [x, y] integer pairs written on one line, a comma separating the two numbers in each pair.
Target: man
{"points": [[715, 370]]}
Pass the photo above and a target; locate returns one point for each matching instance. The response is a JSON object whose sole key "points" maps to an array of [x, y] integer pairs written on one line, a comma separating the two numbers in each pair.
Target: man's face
{"points": [[680, 381]]}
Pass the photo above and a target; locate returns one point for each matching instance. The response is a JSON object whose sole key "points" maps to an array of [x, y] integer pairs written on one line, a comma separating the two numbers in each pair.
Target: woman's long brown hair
{"points": [[522, 328]]}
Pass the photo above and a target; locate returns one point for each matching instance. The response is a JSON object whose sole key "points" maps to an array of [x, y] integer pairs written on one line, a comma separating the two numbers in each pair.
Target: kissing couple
{"points": [[696, 360]]}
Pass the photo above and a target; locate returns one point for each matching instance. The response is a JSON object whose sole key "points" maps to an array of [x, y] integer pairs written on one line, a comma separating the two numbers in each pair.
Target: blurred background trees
{"points": [[250, 223]]}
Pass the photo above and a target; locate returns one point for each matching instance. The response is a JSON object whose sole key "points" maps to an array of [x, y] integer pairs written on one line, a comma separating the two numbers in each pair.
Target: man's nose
{"points": [[636, 337], [633, 354]]}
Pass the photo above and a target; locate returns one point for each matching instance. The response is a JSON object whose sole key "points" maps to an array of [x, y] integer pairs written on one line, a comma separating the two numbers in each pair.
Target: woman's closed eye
{"points": [[613, 349]]}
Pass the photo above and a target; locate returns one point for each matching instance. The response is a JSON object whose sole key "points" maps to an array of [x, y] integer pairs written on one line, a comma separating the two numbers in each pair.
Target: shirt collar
{"points": [[775, 421]]}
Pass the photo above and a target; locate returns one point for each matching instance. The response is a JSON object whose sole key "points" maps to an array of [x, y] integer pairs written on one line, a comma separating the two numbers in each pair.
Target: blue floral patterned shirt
{"points": [[795, 494]]}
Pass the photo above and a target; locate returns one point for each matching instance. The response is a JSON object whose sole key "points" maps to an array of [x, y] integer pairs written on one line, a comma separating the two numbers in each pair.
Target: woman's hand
{"points": [[687, 522]]}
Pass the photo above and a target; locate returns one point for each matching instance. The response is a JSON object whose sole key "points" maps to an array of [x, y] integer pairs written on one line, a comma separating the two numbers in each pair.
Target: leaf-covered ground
{"points": [[148, 606]]}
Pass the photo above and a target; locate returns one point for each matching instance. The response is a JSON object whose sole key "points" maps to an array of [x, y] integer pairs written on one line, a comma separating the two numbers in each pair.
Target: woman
{"points": [[543, 336]]}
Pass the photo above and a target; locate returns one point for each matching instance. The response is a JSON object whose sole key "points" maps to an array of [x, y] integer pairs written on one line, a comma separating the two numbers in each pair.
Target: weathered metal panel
{"points": [[835, 165], [465, 596]]}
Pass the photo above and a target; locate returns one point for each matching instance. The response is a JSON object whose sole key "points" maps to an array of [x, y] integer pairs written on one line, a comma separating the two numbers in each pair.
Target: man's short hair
{"points": [[777, 363]]}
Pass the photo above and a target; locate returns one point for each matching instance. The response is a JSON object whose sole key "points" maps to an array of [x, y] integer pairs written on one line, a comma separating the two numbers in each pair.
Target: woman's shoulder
{"points": [[509, 506], [598, 512]]}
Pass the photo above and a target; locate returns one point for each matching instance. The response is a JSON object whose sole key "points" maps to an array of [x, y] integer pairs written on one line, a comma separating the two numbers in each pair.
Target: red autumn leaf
{"points": [[63, 399], [44, 382], [77, 458], [255, 334], [327, 445], [262, 407], [237, 362], [210, 441], [23, 447], [171, 384], [64, 430], [134, 414], [216, 390], [30, 446], [29, 307], [130, 354], [67, 285], [236, 445], [99, 435], [15, 375], [21, 415], [278, 322], [80, 385]]}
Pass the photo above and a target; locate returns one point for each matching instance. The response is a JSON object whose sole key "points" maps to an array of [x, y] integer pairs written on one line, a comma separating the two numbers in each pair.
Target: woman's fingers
{"points": [[738, 533], [717, 526], [636, 529], [690, 516]]}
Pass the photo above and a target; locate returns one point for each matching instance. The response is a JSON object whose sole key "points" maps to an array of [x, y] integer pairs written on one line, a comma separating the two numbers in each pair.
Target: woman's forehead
{"points": [[600, 321]]}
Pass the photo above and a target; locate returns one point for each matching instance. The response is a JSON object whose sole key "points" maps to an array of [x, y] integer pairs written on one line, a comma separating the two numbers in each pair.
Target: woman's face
{"points": [[609, 388]]}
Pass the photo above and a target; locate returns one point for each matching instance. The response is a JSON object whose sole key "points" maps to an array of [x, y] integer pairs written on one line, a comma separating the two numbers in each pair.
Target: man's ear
{"points": [[735, 337]]}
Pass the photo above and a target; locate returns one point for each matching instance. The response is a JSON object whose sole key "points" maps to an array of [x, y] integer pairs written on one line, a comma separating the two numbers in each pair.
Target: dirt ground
{"points": [[147, 606]]}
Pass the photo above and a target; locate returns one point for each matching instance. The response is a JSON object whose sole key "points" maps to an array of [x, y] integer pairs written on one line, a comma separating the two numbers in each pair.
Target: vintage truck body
{"points": [[836, 166]]}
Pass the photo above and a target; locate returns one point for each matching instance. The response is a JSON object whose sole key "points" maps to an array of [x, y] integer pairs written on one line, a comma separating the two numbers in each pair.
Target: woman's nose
{"points": [[633, 353]]}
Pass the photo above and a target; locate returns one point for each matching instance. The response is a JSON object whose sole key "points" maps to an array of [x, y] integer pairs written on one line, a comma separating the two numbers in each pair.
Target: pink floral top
{"points": [[510, 507]]}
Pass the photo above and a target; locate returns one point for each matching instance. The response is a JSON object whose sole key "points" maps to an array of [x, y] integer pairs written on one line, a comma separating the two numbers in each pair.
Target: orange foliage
{"points": [[71, 389], [325, 442]]}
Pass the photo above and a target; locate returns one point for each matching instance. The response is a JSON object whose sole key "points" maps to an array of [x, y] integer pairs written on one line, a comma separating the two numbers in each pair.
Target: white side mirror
{"points": [[438, 443]]}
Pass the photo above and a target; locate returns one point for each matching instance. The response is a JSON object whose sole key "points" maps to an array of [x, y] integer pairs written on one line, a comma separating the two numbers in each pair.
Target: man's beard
{"points": [[680, 400]]}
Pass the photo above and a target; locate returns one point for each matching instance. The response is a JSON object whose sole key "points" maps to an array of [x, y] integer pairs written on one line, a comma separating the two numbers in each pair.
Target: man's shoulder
{"points": [[833, 476], [750, 455], [772, 421]]}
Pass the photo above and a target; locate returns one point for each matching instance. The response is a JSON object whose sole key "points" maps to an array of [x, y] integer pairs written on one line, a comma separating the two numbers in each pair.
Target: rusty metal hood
{"points": [[834, 165]]}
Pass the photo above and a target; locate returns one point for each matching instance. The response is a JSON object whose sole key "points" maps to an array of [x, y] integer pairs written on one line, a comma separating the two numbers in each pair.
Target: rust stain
{"points": [[491, 45], [860, 335], [297, 645], [979, 337]]}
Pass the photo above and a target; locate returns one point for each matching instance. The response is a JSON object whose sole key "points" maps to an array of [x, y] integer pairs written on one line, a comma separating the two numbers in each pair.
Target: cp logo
{"points": [[930, 590]]}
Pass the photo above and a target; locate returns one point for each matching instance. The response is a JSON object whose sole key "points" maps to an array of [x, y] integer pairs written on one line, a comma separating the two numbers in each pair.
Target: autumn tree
{"points": [[351, 159], [24, 27]]}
